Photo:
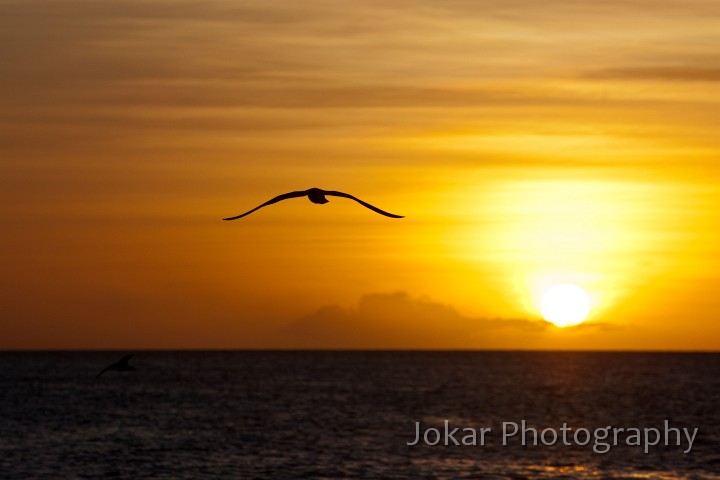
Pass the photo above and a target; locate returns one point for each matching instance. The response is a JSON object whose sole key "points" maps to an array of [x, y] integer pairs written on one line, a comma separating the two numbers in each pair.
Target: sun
{"points": [[565, 305]]}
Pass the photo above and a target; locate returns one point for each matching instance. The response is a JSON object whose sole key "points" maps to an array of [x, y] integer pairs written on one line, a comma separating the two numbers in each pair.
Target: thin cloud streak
{"points": [[659, 73]]}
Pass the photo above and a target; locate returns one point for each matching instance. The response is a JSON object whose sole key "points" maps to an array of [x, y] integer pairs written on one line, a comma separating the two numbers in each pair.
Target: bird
{"points": [[119, 366], [316, 195]]}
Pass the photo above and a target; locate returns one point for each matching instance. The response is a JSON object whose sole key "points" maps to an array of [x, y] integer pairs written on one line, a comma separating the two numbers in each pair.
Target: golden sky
{"points": [[527, 143]]}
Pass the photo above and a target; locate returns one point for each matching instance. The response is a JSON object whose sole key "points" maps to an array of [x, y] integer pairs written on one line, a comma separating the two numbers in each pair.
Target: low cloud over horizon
{"points": [[399, 321]]}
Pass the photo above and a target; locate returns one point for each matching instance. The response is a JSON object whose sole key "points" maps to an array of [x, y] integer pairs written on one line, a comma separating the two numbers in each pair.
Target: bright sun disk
{"points": [[565, 305]]}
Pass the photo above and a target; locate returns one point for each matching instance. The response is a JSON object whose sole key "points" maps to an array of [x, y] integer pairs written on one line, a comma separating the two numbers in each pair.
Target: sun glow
{"points": [[565, 305], [528, 235]]}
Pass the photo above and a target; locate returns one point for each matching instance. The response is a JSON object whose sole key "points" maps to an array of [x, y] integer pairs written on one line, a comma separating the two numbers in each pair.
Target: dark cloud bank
{"points": [[396, 320]]}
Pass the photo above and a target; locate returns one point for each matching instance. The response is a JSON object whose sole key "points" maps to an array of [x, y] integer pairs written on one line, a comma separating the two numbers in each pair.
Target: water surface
{"points": [[347, 414]]}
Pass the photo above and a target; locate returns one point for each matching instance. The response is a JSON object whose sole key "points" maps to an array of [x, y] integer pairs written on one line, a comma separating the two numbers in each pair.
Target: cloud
{"points": [[397, 320], [672, 73]]}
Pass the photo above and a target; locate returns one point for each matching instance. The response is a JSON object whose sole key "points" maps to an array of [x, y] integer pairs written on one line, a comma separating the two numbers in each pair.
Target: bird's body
{"points": [[315, 195], [119, 366]]}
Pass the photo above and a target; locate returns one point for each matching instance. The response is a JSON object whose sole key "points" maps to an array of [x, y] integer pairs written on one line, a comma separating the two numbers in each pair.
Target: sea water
{"points": [[322, 414]]}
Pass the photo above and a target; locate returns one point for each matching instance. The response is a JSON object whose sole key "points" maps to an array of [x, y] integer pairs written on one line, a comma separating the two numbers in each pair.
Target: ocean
{"points": [[328, 414]]}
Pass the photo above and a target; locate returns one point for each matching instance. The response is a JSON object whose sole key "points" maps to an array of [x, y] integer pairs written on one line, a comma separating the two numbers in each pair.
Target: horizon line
{"points": [[352, 350]]}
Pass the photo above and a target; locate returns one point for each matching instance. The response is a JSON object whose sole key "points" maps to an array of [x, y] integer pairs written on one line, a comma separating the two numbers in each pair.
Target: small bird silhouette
{"points": [[119, 366], [316, 195]]}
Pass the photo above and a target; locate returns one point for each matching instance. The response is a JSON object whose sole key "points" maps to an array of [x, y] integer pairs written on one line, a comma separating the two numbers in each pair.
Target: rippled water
{"points": [[347, 414]]}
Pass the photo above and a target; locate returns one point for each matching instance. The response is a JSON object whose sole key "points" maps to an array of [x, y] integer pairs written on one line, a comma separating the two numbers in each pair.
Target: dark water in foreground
{"points": [[348, 414]]}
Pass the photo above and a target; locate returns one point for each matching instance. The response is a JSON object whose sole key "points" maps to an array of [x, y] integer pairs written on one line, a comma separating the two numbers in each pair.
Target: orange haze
{"points": [[527, 143]]}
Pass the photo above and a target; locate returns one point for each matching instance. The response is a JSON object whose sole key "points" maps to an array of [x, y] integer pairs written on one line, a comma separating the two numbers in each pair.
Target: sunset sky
{"points": [[527, 144]]}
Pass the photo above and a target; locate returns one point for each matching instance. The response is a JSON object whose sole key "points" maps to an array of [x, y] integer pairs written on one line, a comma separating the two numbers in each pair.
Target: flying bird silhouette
{"points": [[119, 366], [316, 195]]}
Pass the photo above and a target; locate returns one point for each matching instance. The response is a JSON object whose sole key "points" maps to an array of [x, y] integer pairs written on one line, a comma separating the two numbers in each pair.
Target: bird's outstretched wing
{"points": [[279, 198], [120, 363], [364, 204]]}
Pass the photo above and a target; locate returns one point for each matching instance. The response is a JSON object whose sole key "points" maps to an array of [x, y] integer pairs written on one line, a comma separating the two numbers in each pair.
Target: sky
{"points": [[526, 143]]}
